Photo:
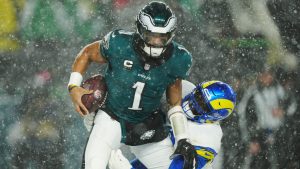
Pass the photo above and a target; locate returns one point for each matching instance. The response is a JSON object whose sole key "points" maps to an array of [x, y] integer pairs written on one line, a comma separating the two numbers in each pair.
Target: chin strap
{"points": [[145, 58], [153, 51]]}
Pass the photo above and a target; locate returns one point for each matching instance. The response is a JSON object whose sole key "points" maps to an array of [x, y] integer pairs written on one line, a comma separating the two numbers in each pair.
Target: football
{"points": [[96, 99]]}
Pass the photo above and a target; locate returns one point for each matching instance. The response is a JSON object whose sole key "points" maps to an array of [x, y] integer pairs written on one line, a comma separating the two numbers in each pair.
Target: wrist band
{"points": [[178, 122], [71, 86], [75, 79], [174, 110]]}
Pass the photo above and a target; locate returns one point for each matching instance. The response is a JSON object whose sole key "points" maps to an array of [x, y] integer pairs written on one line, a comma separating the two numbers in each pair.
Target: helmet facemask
{"points": [[195, 106]]}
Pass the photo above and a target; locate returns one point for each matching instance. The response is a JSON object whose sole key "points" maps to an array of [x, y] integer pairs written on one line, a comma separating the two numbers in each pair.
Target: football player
{"points": [[142, 65], [204, 105]]}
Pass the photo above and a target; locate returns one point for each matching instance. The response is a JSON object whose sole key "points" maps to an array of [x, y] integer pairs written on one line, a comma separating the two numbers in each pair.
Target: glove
{"points": [[188, 152], [118, 161], [88, 121]]}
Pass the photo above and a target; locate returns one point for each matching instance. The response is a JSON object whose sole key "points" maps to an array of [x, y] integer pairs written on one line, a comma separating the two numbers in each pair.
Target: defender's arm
{"points": [[179, 125], [177, 118]]}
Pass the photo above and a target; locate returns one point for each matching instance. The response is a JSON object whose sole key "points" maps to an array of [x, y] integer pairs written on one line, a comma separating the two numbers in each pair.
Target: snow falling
{"points": [[253, 45]]}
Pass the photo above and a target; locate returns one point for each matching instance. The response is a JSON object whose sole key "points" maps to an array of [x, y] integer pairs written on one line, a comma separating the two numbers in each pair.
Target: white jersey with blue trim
{"points": [[204, 134]]}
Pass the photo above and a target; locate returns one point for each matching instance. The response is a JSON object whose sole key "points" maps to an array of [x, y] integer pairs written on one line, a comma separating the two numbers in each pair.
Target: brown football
{"points": [[96, 99]]}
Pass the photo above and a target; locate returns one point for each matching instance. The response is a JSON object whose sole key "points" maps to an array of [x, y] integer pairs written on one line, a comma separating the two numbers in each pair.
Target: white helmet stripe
{"points": [[147, 22]]}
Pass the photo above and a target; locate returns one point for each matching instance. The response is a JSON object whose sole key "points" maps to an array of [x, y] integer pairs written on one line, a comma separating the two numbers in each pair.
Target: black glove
{"points": [[188, 152]]}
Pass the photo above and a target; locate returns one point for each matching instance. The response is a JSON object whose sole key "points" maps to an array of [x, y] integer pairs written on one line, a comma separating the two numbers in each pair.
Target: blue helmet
{"points": [[210, 101]]}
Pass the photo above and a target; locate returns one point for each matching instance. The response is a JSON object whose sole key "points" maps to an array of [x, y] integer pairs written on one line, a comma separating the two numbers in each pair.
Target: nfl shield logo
{"points": [[147, 66]]}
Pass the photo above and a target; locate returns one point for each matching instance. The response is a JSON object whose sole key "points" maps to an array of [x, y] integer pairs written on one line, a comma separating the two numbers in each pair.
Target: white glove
{"points": [[88, 121], [118, 161]]}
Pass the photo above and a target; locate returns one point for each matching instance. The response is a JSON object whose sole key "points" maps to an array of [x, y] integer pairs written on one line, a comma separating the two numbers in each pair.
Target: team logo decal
{"points": [[147, 135]]}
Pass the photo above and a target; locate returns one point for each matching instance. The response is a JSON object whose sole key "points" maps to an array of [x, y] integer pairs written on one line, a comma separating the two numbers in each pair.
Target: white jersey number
{"points": [[138, 86]]}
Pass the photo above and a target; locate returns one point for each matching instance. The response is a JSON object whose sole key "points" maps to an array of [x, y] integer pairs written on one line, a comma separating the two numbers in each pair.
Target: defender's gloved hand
{"points": [[188, 152]]}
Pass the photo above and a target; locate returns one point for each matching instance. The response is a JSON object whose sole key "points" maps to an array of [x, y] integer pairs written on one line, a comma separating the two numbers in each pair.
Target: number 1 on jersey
{"points": [[138, 86]]}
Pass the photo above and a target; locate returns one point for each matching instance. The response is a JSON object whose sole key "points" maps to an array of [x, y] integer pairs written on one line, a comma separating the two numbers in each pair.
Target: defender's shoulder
{"points": [[187, 87]]}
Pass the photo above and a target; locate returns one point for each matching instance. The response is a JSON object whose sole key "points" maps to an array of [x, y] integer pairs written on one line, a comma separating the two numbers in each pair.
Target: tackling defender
{"points": [[142, 65], [204, 105]]}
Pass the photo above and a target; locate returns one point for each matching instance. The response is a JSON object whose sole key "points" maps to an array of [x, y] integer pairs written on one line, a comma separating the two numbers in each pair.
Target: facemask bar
{"points": [[153, 51], [149, 39]]}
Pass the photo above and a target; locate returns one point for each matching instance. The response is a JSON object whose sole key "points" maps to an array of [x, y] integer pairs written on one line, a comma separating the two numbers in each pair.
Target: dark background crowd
{"points": [[254, 45]]}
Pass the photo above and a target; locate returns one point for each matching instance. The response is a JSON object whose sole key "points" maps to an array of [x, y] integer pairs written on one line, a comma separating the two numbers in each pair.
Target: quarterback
{"points": [[204, 105], [142, 65]]}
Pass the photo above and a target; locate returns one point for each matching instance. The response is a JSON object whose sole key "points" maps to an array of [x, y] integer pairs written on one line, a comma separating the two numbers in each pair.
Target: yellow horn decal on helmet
{"points": [[206, 84], [222, 104], [206, 154]]}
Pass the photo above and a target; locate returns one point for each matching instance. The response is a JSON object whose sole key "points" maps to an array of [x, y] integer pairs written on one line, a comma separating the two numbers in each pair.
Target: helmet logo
{"points": [[147, 22], [207, 94]]}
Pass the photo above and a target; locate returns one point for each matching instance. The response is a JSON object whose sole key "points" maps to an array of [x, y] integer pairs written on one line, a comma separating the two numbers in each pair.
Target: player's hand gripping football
{"points": [[188, 152], [76, 93]]}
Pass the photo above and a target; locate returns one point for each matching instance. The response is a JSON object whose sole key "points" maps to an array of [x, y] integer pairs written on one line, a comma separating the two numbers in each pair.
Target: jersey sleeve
{"points": [[106, 45], [183, 65], [187, 87], [186, 69]]}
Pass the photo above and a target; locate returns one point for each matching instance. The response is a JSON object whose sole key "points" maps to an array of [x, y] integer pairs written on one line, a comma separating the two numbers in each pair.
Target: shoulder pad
{"points": [[121, 32], [125, 32], [106, 39], [180, 47]]}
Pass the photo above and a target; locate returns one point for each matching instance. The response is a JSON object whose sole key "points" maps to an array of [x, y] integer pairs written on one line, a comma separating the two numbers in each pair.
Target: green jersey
{"points": [[135, 89]]}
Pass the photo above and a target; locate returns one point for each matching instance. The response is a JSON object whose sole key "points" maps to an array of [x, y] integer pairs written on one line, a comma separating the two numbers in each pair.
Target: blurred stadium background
{"points": [[231, 40]]}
